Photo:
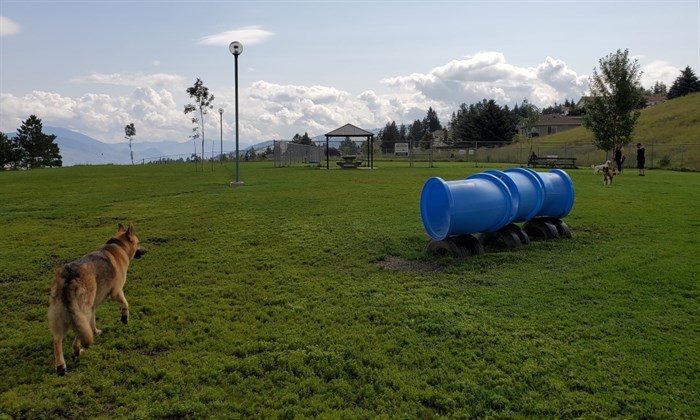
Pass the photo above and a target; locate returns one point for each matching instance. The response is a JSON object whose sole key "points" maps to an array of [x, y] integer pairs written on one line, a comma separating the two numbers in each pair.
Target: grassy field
{"points": [[307, 293]]}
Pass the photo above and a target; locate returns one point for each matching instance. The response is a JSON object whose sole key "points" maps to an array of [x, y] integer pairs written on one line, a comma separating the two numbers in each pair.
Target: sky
{"points": [[94, 66]]}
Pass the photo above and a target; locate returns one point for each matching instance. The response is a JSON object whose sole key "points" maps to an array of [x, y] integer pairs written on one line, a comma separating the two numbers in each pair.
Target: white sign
{"points": [[400, 149]]}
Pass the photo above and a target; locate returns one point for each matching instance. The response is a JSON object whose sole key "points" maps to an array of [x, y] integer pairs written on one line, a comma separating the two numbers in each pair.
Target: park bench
{"points": [[554, 161]]}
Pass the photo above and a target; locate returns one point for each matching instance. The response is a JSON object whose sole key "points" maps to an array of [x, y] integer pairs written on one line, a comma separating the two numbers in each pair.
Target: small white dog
{"points": [[599, 168]]}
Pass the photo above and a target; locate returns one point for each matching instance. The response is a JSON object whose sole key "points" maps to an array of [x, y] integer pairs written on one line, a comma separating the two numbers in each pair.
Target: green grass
{"points": [[269, 300]]}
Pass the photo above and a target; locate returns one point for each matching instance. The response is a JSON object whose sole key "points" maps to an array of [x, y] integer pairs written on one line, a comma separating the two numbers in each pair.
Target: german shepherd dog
{"points": [[80, 285]]}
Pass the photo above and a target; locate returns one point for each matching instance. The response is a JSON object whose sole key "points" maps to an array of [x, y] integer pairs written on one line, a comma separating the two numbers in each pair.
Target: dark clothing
{"points": [[533, 160], [619, 159], [640, 158]]}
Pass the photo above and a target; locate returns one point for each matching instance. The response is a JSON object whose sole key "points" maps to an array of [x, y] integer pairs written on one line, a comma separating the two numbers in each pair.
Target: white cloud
{"points": [[8, 26], [246, 35], [487, 75], [659, 71], [155, 113], [132, 79], [274, 111]]}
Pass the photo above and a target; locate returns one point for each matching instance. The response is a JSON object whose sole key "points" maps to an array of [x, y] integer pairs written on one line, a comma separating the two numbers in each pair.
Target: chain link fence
{"points": [[684, 157]]}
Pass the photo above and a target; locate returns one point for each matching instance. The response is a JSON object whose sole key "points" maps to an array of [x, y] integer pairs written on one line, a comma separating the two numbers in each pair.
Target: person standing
{"points": [[619, 157], [640, 159]]}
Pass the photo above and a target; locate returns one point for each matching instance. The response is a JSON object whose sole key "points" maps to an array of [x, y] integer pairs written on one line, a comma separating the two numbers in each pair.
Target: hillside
{"points": [[673, 122], [670, 132]]}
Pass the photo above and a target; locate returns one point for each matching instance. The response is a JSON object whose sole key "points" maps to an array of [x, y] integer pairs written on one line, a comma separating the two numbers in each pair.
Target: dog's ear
{"points": [[130, 231], [121, 228]]}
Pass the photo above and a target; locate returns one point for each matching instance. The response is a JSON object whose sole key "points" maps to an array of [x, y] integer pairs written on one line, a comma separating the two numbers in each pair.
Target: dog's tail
{"points": [[73, 295]]}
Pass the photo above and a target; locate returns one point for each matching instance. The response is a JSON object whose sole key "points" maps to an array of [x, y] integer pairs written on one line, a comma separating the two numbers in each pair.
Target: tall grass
{"points": [[274, 299]]}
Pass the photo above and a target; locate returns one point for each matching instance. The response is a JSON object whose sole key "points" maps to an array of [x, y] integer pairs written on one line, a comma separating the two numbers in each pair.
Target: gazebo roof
{"points": [[349, 130]]}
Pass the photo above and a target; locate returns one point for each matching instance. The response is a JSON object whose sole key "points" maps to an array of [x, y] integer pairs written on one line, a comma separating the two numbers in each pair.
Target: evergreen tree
{"points": [[403, 133], [493, 123], [416, 133], [431, 122], [36, 149], [659, 88], [305, 139], [426, 142], [684, 84], [388, 137], [8, 152], [348, 147], [457, 126], [612, 112]]}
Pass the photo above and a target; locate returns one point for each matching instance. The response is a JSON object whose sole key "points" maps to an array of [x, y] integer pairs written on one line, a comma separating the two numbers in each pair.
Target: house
{"points": [[551, 124], [652, 100]]}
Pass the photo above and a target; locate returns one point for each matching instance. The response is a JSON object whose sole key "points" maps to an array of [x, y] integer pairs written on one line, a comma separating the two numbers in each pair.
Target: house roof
{"points": [[349, 130], [555, 119]]}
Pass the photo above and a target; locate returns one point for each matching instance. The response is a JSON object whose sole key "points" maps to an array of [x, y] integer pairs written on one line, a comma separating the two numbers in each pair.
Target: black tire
{"points": [[459, 248], [441, 248], [504, 238], [522, 235], [448, 247], [541, 229], [472, 244], [510, 238], [562, 229]]}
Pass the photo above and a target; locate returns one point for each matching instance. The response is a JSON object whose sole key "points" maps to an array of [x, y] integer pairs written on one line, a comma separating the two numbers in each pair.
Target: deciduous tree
{"points": [[203, 103], [613, 110], [129, 133]]}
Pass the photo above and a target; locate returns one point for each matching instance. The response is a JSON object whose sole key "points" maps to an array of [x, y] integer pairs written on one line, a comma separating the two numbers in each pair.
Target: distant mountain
{"points": [[79, 149]]}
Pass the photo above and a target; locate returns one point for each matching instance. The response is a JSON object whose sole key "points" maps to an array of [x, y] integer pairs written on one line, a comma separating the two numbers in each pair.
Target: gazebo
{"points": [[349, 130]]}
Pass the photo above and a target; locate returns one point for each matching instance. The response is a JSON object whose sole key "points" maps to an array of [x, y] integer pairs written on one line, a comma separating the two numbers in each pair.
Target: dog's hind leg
{"points": [[60, 363], [121, 299], [83, 332], [58, 325], [93, 325]]}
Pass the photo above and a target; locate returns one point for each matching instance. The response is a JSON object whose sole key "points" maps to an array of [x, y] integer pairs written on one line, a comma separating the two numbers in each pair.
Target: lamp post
{"points": [[221, 134], [236, 49]]}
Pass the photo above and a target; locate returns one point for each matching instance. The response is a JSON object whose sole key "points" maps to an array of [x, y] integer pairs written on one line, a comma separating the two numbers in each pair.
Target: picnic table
{"points": [[553, 161], [349, 162]]}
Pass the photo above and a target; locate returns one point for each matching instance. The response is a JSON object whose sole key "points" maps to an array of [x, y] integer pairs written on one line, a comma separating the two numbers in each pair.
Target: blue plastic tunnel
{"points": [[480, 203], [488, 201], [558, 194], [527, 188]]}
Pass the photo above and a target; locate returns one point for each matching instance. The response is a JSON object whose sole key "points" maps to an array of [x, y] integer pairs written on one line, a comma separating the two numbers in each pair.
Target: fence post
{"points": [[682, 153]]}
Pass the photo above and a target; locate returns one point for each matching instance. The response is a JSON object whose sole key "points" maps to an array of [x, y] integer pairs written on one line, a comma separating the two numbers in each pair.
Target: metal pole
{"points": [[236, 49], [221, 134], [238, 176]]}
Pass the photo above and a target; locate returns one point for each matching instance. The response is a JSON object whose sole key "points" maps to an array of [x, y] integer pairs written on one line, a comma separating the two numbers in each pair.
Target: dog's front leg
{"points": [[119, 297]]}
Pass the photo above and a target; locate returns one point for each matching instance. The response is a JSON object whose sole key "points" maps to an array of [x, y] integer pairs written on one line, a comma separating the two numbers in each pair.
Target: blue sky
{"points": [[311, 66]]}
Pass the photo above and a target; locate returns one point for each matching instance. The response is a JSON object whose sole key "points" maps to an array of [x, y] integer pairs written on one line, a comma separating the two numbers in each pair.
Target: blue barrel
{"points": [[527, 190], [480, 203], [558, 194]]}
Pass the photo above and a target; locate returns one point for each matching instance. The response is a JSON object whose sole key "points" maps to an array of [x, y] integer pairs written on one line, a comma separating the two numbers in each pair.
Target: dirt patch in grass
{"points": [[399, 264]]}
